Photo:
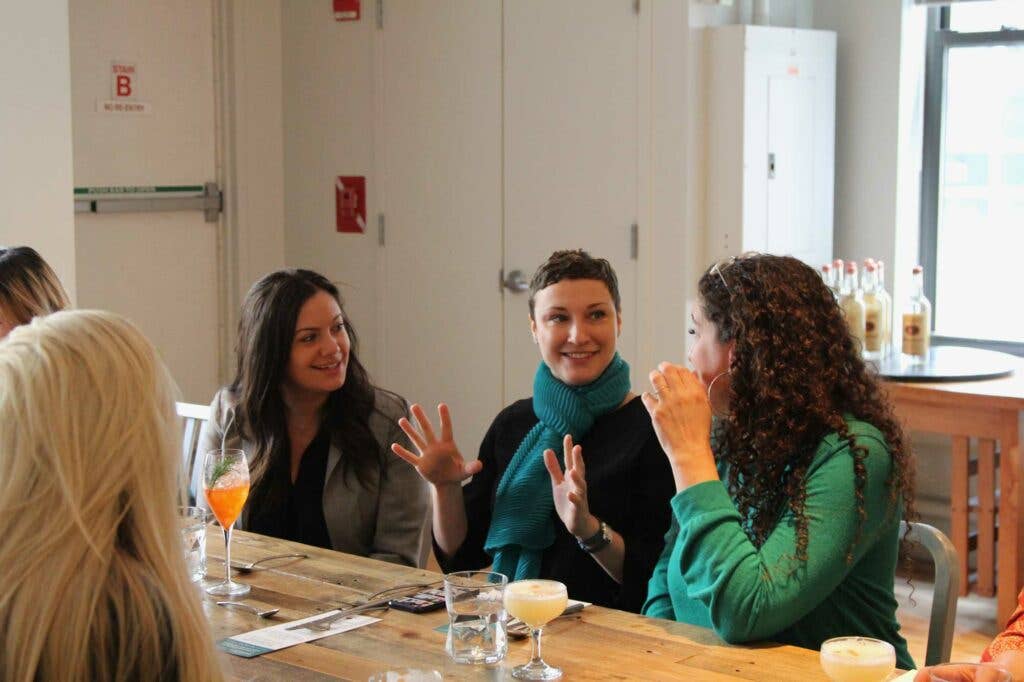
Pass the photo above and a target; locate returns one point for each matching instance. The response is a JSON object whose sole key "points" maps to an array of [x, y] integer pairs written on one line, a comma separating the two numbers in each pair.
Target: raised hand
{"points": [[569, 489], [681, 415], [439, 461]]}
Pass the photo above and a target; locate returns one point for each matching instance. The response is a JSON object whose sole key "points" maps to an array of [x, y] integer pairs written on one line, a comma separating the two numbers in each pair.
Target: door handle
{"points": [[513, 281]]}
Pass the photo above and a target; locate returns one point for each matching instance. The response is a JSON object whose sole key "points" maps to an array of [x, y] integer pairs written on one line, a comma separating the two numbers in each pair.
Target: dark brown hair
{"points": [[795, 372], [28, 285], [265, 335], [574, 264]]}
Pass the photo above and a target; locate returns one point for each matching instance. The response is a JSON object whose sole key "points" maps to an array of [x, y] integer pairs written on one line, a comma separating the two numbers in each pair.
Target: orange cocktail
{"points": [[226, 484], [226, 503]]}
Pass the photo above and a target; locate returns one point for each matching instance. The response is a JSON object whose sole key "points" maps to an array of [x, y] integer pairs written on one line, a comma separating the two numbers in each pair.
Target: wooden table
{"points": [[596, 644], [988, 410]]}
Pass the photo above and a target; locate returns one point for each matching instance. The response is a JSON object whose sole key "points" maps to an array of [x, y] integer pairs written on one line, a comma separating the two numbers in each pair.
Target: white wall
{"points": [[329, 122], [250, 159], [36, 206]]}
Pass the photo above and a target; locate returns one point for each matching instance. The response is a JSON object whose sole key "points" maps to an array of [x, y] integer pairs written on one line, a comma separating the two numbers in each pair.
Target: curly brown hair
{"points": [[795, 372]]}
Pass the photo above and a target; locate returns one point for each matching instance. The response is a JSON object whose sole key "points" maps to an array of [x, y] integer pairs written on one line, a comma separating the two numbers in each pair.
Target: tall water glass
{"points": [[969, 672], [476, 616], [193, 522], [226, 485], [536, 602]]}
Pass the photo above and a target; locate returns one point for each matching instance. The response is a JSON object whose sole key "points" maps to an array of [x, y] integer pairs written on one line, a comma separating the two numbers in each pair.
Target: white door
{"points": [[440, 143], [509, 130], [571, 154], [790, 225], [158, 269]]}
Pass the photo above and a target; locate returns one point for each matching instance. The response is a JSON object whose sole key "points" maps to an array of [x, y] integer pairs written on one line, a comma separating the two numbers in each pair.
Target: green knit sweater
{"points": [[711, 574]]}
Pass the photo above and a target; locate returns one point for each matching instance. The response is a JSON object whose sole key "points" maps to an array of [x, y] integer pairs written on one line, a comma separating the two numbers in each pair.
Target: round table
{"points": [[947, 363]]}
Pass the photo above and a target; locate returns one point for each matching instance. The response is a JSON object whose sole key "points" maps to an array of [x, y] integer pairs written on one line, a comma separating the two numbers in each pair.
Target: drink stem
{"points": [[535, 638], [227, 554]]}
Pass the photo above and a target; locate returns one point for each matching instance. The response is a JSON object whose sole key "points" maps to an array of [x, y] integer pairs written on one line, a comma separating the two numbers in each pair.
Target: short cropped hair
{"points": [[574, 264]]}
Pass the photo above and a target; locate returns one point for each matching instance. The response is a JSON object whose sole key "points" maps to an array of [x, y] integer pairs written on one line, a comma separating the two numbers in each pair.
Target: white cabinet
{"points": [[770, 141]]}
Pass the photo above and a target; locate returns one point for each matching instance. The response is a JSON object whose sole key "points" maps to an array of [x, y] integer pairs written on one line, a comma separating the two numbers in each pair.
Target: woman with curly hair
{"points": [[786, 516]]}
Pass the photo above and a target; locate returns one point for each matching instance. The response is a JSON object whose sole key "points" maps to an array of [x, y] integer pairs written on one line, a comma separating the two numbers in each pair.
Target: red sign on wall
{"points": [[122, 84], [346, 10], [350, 203]]}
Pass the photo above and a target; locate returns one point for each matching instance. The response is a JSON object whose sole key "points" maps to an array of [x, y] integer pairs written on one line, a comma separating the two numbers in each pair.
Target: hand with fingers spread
{"points": [[569, 489], [439, 461], [681, 415]]}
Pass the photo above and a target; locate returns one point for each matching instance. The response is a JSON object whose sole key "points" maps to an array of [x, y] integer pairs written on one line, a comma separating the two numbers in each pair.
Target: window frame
{"points": [[940, 40]]}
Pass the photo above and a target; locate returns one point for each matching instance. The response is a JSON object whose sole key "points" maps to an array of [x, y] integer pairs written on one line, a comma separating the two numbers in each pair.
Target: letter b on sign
{"points": [[124, 86]]}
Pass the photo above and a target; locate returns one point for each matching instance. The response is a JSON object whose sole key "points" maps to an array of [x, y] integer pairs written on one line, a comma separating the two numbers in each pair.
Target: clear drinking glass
{"points": [[969, 672], [193, 536], [857, 659], [476, 616], [226, 484], [536, 602]]}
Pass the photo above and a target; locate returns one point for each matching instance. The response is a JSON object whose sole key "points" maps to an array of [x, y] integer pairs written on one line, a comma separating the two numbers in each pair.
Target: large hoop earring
{"points": [[712, 385]]}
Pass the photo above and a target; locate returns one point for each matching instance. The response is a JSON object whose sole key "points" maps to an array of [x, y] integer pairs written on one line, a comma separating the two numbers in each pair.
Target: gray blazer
{"points": [[389, 519]]}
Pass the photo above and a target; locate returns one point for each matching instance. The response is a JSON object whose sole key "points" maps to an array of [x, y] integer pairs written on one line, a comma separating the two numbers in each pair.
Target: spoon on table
{"points": [[267, 613], [252, 565]]}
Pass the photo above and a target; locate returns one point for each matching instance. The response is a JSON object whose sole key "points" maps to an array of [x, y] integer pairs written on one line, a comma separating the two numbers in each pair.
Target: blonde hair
{"points": [[28, 286], [95, 584]]}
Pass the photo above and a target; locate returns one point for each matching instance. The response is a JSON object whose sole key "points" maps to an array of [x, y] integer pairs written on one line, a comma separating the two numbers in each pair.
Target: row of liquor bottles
{"points": [[869, 312]]}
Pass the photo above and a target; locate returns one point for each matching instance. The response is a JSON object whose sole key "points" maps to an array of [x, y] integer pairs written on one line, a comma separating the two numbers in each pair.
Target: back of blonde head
{"points": [[95, 585]]}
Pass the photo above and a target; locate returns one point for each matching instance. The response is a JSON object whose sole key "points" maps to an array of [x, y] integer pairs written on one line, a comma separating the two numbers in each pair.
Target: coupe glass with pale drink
{"points": [[857, 659], [226, 485], [536, 602]]}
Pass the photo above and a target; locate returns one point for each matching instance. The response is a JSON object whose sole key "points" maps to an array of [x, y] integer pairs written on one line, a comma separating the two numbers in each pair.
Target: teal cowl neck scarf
{"points": [[522, 523]]}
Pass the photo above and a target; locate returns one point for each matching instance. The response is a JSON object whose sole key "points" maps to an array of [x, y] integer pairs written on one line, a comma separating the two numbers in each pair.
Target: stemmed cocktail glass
{"points": [[226, 484], [535, 602]]}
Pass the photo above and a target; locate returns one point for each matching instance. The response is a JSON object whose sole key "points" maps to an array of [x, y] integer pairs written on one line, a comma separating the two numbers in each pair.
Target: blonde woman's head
{"points": [[95, 582], [28, 288]]}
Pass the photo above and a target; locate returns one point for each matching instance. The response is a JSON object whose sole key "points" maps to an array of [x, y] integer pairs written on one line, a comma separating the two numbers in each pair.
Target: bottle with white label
{"points": [[887, 312], [872, 311], [852, 303], [917, 318]]}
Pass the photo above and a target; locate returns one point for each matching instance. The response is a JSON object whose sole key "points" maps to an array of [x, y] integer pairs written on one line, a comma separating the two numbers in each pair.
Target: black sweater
{"points": [[629, 485]]}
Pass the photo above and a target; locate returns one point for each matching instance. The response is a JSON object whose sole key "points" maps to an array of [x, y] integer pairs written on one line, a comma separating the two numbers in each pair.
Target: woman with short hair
{"points": [[534, 508], [94, 585]]}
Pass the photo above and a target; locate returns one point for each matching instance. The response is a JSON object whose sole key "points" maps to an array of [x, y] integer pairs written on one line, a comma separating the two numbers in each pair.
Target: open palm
{"points": [[439, 461], [569, 489]]}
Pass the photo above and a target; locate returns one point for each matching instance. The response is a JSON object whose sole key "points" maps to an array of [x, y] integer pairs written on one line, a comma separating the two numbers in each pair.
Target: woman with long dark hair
{"points": [[786, 517], [316, 431]]}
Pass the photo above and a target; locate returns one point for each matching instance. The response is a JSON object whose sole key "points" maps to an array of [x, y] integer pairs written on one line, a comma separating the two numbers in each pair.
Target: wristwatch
{"points": [[596, 542]]}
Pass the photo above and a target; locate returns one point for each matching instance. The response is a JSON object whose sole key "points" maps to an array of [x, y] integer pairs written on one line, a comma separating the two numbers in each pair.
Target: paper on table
{"points": [[905, 677], [265, 640]]}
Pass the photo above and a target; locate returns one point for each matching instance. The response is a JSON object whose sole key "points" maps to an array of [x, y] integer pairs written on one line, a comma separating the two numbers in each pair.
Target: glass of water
{"points": [[476, 616], [193, 522]]}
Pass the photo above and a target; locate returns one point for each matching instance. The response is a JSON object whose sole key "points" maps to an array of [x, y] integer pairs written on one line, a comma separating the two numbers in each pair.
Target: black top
{"points": [[629, 485], [300, 515]]}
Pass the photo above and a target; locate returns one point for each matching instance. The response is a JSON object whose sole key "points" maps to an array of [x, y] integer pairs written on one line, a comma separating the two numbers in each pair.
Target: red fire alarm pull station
{"points": [[350, 203], [346, 10]]}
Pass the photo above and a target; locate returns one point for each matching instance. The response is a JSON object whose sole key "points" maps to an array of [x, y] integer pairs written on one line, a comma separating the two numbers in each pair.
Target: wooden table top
{"points": [[1002, 393], [596, 644]]}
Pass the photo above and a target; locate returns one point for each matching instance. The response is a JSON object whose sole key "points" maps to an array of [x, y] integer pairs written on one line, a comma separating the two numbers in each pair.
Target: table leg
{"points": [[1011, 541]]}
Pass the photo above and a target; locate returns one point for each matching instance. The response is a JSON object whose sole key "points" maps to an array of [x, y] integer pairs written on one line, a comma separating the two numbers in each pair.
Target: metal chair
{"points": [[947, 585], [194, 416]]}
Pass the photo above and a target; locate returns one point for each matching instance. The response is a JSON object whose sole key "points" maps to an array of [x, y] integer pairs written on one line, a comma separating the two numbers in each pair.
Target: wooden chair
{"points": [[947, 581], [194, 416], [983, 508]]}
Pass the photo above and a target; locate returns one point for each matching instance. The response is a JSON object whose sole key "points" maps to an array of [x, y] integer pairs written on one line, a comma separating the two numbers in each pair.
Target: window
{"points": [[972, 207]]}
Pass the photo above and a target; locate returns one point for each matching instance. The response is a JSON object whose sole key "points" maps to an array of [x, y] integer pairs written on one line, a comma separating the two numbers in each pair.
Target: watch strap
{"points": [[596, 542]]}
